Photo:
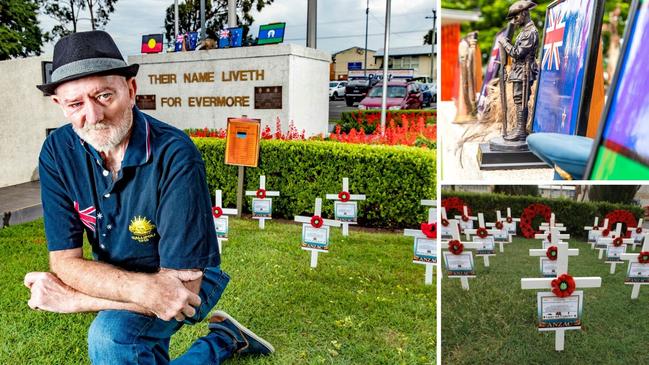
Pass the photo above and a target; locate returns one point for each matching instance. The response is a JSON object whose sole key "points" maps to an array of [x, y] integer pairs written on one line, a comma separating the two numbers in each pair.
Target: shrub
{"points": [[394, 178], [369, 120], [574, 215]]}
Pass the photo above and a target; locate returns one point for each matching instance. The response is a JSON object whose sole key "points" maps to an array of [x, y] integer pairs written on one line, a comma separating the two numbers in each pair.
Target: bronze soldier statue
{"points": [[524, 68]]}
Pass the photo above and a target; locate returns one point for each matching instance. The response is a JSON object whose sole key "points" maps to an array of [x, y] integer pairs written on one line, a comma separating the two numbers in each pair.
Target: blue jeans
{"points": [[570, 153], [124, 337]]}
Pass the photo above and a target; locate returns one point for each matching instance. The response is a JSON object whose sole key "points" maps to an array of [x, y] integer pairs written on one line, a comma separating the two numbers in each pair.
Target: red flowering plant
{"points": [[291, 135], [409, 133], [316, 221], [618, 241], [563, 286], [455, 246], [217, 212], [643, 257], [482, 232], [552, 253], [429, 229]]}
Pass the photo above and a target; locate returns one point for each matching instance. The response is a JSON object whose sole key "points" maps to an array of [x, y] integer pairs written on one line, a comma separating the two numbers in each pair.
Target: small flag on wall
{"points": [[152, 43]]}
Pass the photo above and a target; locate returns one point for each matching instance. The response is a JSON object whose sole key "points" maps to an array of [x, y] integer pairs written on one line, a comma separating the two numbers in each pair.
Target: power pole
{"points": [[175, 20], [432, 41], [202, 19], [386, 59], [311, 23], [367, 14], [232, 13]]}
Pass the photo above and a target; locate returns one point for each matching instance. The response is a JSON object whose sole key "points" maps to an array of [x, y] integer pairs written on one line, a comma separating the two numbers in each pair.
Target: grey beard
{"points": [[117, 134]]}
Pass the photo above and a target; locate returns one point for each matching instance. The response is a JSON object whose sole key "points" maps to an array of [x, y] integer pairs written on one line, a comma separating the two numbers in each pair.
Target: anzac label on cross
{"points": [[262, 205], [315, 232]]}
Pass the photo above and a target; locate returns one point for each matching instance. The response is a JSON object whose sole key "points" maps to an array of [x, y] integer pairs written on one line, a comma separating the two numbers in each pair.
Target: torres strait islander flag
{"points": [[152, 43], [565, 48]]}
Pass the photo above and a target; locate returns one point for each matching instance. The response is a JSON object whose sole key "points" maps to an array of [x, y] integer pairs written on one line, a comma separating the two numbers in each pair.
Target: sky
{"points": [[341, 23]]}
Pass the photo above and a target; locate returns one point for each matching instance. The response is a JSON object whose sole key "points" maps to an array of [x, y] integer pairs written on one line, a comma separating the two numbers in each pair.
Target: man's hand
{"points": [[165, 294], [49, 293]]}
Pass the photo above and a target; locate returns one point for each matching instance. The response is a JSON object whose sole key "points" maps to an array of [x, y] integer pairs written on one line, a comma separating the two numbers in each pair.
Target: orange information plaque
{"points": [[242, 142]]}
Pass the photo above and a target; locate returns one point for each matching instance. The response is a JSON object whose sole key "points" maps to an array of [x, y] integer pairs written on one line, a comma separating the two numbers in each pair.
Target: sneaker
{"points": [[248, 342]]}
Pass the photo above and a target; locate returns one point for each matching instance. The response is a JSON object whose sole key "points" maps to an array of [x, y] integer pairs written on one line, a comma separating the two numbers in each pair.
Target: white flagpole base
{"points": [[465, 282], [429, 274], [486, 261], [345, 229], [636, 291], [314, 259], [559, 340]]}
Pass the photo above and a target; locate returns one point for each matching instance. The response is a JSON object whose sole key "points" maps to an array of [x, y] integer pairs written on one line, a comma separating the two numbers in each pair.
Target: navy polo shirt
{"points": [[156, 214]]}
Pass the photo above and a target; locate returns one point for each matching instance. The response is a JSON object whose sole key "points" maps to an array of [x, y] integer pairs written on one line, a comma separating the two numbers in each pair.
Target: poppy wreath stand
{"points": [[427, 231], [263, 199], [344, 199], [562, 285], [636, 259], [220, 216], [316, 222]]}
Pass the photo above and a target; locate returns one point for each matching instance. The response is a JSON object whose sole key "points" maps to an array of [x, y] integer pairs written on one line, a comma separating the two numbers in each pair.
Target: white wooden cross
{"points": [[347, 200], [469, 223], [511, 227], [308, 222], [638, 237], [262, 201], [554, 231], [445, 233], [603, 243], [463, 257], [220, 216], [594, 234], [542, 253], [479, 243], [502, 235], [419, 235], [546, 227], [590, 228], [546, 283], [641, 270]]}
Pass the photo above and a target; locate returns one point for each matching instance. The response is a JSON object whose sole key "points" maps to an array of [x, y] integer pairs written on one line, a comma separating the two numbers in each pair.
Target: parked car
{"points": [[401, 95], [337, 89], [357, 89], [429, 93]]}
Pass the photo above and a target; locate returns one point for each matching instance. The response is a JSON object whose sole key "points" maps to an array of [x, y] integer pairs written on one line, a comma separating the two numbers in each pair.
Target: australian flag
{"points": [[566, 42]]}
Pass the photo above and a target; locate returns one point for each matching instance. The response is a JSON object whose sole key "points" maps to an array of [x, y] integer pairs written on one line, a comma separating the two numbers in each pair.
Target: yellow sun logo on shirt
{"points": [[142, 229]]}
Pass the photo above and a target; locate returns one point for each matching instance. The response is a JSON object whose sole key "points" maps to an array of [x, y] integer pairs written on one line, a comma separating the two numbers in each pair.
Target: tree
{"points": [[531, 190], [68, 13], [216, 16], [20, 35], [623, 194], [428, 38]]}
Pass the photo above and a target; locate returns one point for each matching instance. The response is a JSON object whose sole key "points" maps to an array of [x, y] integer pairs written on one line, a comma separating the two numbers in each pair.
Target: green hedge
{"points": [[574, 215], [394, 178], [359, 118]]}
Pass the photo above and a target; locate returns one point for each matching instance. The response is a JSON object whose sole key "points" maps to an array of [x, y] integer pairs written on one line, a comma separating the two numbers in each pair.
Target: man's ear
{"points": [[132, 90]]}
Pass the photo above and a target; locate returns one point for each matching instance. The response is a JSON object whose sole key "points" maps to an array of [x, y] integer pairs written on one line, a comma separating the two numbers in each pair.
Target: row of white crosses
{"points": [[262, 205], [508, 228], [425, 247], [315, 232], [220, 216], [550, 231], [613, 252], [546, 283], [345, 206]]}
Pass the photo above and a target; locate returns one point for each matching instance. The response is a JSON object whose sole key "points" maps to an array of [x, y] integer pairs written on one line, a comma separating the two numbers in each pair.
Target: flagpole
{"points": [[175, 20], [386, 59]]}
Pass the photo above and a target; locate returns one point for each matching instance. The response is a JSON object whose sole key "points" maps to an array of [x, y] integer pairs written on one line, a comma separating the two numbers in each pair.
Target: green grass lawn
{"points": [[495, 321], [365, 303]]}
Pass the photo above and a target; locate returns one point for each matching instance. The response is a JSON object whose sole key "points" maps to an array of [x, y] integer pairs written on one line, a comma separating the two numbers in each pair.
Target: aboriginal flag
{"points": [[152, 43]]}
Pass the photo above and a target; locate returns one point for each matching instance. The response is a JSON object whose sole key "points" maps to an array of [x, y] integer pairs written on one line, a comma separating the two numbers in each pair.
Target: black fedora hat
{"points": [[84, 54]]}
